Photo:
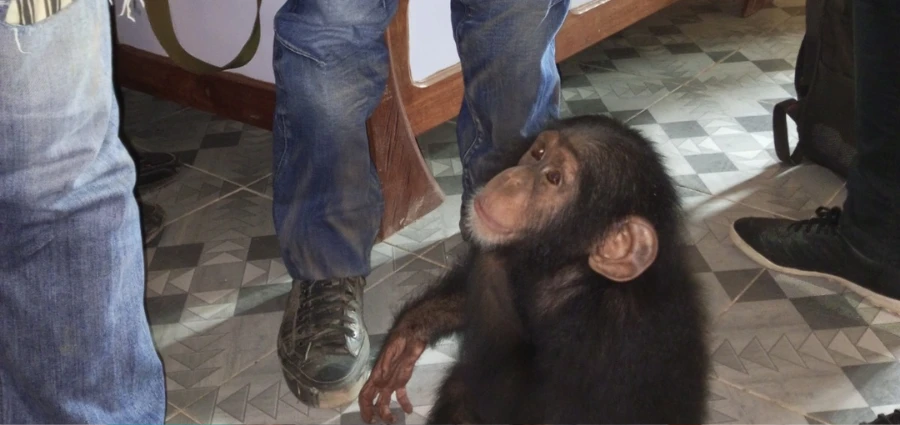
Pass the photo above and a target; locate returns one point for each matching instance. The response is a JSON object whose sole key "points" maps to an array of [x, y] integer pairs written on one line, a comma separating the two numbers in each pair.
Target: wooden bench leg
{"points": [[409, 189]]}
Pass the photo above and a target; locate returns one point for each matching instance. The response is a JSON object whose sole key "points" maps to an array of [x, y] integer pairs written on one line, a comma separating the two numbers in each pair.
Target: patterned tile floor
{"points": [[696, 78]]}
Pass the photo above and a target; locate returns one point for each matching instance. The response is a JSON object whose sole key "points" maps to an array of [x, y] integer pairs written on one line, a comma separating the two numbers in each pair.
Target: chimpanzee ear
{"points": [[626, 251]]}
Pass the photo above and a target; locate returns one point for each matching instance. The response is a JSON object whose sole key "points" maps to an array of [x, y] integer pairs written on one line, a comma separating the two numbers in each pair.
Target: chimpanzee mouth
{"points": [[487, 220]]}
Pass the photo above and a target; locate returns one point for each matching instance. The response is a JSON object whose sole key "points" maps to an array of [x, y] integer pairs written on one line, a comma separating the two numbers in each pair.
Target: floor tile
{"points": [[259, 394], [189, 190], [383, 300], [240, 216], [809, 344], [387, 259], [708, 224], [736, 161], [725, 91], [448, 251], [623, 91], [180, 418], [434, 227], [139, 109], [179, 132], [721, 270], [684, 129], [789, 191], [263, 186], [729, 405], [242, 156], [846, 416]]}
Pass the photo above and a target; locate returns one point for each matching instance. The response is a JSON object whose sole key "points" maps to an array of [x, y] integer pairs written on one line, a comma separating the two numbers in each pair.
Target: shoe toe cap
{"points": [[754, 231]]}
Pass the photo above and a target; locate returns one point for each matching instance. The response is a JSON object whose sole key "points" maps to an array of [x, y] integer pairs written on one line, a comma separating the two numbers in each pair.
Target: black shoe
{"points": [[815, 247], [323, 344], [155, 169], [891, 418], [152, 218]]}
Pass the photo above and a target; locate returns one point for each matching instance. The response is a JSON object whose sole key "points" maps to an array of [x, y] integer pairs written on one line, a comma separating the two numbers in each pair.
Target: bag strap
{"points": [[780, 113], [160, 17]]}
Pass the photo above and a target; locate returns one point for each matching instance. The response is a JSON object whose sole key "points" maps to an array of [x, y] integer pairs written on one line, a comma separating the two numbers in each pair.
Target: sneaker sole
{"points": [[151, 236], [873, 298], [339, 394], [160, 184]]}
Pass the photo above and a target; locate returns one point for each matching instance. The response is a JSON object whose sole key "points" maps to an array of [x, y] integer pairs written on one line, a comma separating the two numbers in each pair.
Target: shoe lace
{"points": [[323, 316], [826, 221], [890, 418]]}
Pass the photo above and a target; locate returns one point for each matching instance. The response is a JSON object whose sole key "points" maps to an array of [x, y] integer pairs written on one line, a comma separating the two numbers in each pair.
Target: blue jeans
{"points": [[871, 218], [75, 344], [331, 64]]}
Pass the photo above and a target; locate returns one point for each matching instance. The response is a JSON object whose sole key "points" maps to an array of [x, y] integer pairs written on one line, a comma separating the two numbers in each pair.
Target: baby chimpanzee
{"points": [[574, 304]]}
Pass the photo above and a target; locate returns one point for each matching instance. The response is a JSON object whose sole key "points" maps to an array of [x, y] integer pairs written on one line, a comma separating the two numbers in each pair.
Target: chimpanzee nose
{"points": [[516, 180]]}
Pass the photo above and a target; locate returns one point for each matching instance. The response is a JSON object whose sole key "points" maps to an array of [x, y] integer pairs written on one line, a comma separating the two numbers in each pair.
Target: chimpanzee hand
{"points": [[390, 373]]}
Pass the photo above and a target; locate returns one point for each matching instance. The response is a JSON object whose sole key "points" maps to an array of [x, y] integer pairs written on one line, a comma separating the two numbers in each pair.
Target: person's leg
{"points": [[154, 171], [76, 342], [508, 55], [331, 67], [859, 246], [871, 218]]}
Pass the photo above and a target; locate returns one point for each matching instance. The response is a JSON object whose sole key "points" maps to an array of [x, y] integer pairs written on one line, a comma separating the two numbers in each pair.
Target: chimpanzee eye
{"points": [[553, 177], [537, 153]]}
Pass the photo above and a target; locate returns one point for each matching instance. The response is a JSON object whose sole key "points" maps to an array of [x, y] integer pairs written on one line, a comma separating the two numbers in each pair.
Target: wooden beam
{"points": [[226, 94]]}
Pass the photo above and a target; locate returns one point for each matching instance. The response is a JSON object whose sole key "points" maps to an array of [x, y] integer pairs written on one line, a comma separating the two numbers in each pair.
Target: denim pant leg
{"points": [[75, 344], [508, 55], [871, 219], [331, 67]]}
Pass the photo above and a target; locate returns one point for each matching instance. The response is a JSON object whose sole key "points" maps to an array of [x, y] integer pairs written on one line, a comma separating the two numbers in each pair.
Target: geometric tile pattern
{"points": [[695, 78]]}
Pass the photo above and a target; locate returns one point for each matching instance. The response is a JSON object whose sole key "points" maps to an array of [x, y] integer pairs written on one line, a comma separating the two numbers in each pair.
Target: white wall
{"points": [[215, 30], [431, 45]]}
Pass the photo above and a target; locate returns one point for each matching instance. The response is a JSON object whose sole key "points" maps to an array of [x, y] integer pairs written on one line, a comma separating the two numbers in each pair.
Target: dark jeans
{"points": [[331, 64], [871, 220]]}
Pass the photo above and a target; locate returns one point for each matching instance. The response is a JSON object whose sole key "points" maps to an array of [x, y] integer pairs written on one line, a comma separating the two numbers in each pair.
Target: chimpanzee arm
{"points": [[439, 311], [423, 321]]}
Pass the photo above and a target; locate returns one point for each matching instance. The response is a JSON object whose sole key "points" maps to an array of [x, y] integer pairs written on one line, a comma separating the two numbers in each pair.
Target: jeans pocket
{"points": [[328, 45]]}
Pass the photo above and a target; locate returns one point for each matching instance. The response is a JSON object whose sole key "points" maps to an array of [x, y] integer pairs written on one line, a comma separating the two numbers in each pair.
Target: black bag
{"points": [[824, 80]]}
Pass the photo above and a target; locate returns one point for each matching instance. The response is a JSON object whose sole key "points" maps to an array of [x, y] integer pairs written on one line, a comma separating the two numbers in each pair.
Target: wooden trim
{"points": [[226, 94]]}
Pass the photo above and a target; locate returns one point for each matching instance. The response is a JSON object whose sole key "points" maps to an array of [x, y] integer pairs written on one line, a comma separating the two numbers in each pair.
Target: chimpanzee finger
{"points": [[366, 399], [384, 406], [403, 398]]}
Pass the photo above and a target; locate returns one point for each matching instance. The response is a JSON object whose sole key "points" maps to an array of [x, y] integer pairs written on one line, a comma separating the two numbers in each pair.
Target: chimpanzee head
{"points": [[589, 189]]}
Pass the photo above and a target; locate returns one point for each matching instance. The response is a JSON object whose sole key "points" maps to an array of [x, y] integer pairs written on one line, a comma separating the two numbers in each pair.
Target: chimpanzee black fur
{"points": [[546, 339]]}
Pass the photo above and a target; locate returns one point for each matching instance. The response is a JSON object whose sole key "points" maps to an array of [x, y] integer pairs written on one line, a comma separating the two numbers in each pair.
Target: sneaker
{"points": [[815, 247], [152, 218], [156, 169], [323, 344], [891, 418]]}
